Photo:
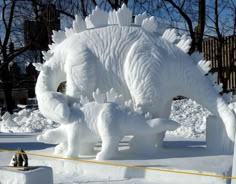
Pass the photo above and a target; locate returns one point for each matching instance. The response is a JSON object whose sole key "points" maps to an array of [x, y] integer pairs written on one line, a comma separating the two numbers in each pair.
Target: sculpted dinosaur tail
{"points": [[201, 90], [159, 125], [206, 93], [193, 81]]}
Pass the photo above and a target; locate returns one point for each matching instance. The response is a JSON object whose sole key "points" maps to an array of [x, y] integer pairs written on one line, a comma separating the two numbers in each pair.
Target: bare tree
{"points": [[194, 18], [12, 39], [7, 50]]}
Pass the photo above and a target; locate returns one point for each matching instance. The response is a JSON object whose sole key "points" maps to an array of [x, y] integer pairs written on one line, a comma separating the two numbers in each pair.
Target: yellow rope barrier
{"points": [[123, 165]]}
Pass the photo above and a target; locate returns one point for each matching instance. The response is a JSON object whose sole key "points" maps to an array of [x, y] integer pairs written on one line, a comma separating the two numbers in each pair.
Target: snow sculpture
{"points": [[107, 51], [108, 122]]}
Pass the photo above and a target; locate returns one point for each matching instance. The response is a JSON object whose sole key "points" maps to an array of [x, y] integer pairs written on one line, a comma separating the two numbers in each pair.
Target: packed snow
{"points": [[192, 118], [25, 121]]}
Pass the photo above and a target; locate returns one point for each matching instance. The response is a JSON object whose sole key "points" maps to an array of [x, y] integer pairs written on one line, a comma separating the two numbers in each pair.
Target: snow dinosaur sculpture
{"points": [[108, 51], [108, 122]]}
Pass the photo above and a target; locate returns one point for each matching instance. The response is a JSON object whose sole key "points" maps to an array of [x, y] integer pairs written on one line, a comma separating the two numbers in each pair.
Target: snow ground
{"points": [[185, 151], [69, 176]]}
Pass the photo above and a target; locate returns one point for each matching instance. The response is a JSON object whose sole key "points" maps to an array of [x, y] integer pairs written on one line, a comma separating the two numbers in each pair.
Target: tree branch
{"points": [[184, 15], [94, 2], [234, 31], [116, 5], [217, 19], [82, 8], [9, 25], [19, 51], [3, 14], [182, 5], [66, 13], [0, 42]]}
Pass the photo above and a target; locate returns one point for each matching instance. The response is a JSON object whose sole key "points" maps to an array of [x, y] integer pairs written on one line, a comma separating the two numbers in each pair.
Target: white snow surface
{"points": [[187, 112]]}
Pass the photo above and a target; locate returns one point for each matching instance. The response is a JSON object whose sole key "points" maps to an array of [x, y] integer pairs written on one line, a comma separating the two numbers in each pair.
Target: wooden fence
{"points": [[222, 51]]}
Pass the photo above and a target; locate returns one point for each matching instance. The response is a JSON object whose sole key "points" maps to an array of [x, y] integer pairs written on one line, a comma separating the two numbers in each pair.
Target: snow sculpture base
{"points": [[216, 137], [189, 157], [36, 175]]}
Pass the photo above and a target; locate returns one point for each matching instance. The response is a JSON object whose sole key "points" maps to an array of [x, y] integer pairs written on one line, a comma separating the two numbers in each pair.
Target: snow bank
{"points": [[192, 118], [25, 121]]}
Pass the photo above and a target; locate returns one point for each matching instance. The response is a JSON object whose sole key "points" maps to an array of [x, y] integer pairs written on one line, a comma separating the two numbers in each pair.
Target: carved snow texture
{"points": [[98, 18], [112, 52]]}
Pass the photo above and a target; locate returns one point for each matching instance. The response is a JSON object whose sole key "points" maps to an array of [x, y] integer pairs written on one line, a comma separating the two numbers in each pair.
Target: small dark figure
{"points": [[20, 159]]}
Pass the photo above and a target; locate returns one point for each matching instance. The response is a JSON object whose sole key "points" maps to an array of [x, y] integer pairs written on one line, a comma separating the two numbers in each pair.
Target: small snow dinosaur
{"points": [[108, 122], [108, 51]]}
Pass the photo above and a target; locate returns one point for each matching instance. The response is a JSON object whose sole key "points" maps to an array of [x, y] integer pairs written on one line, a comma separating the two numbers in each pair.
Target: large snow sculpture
{"points": [[107, 51], [108, 122]]}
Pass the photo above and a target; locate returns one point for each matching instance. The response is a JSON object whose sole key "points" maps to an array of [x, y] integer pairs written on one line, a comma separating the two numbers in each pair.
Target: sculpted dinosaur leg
{"points": [[109, 148], [87, 144], [108, 129], [61, 149], [72, 130], [55, 136], [144, 144], [164, 112], [87, 148], [143, 81], [154, 142], [150, 131]]}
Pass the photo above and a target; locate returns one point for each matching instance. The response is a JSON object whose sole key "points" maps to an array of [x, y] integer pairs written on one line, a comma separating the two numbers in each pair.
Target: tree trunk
{"points": [[7, 86], [196, 33], [199, 29], [201, 23], [8, 96]]}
